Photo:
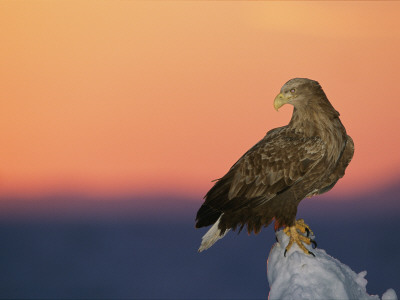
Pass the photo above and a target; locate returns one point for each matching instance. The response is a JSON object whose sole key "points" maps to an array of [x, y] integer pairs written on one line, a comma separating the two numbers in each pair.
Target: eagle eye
{"points": [[292, 91]]}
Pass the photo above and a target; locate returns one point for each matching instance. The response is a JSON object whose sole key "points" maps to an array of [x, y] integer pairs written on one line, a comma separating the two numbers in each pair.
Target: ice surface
{"points": [[301, 276]]}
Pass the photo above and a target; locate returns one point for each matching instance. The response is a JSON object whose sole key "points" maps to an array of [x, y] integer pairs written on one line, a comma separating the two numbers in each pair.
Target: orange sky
{"points": [[111, 97]]}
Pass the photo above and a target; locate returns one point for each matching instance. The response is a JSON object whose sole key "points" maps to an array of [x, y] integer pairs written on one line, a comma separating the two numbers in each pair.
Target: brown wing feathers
{"points": [[268, 169]]}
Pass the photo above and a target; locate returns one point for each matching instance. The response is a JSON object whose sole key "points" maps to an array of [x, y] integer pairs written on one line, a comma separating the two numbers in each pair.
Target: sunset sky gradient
{"points": [[134, 97]]}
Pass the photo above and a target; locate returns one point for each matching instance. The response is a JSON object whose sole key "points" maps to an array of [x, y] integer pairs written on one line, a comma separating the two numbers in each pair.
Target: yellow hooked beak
{"points": [[279, 101]]}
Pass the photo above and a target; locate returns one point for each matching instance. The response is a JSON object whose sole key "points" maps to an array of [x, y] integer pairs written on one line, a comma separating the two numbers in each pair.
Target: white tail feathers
{"points": [[211, 236]]}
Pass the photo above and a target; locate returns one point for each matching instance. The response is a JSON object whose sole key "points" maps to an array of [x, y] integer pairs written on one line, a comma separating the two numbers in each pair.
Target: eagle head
{"points": [[296, 91]]}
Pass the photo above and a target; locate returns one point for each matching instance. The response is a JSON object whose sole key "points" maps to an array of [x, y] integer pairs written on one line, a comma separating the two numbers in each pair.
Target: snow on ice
{"points": [[302, 276]]}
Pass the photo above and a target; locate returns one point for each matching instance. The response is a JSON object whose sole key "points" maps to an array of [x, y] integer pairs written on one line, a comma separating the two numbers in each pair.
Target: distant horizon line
{"points": [[90, 194], [174, 206]]}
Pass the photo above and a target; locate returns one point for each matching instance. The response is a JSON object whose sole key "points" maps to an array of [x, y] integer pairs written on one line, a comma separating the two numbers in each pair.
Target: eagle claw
{"points": [[296, 236], [313, 244]]}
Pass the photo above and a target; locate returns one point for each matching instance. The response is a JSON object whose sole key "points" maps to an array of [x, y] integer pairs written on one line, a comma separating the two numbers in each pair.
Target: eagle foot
{"points": [[303, 227], [296, 236]]}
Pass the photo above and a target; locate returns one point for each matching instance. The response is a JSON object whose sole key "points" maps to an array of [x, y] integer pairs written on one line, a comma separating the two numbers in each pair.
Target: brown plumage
{"points": [[304, 158]]}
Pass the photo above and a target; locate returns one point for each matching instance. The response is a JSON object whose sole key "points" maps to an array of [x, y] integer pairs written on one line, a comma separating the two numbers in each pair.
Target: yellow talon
{"points": [[294, 236], [303, 227]]}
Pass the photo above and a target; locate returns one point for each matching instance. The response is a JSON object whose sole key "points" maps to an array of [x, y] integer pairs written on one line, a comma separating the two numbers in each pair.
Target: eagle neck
{"points": [[322, 122], [315, 120]]}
